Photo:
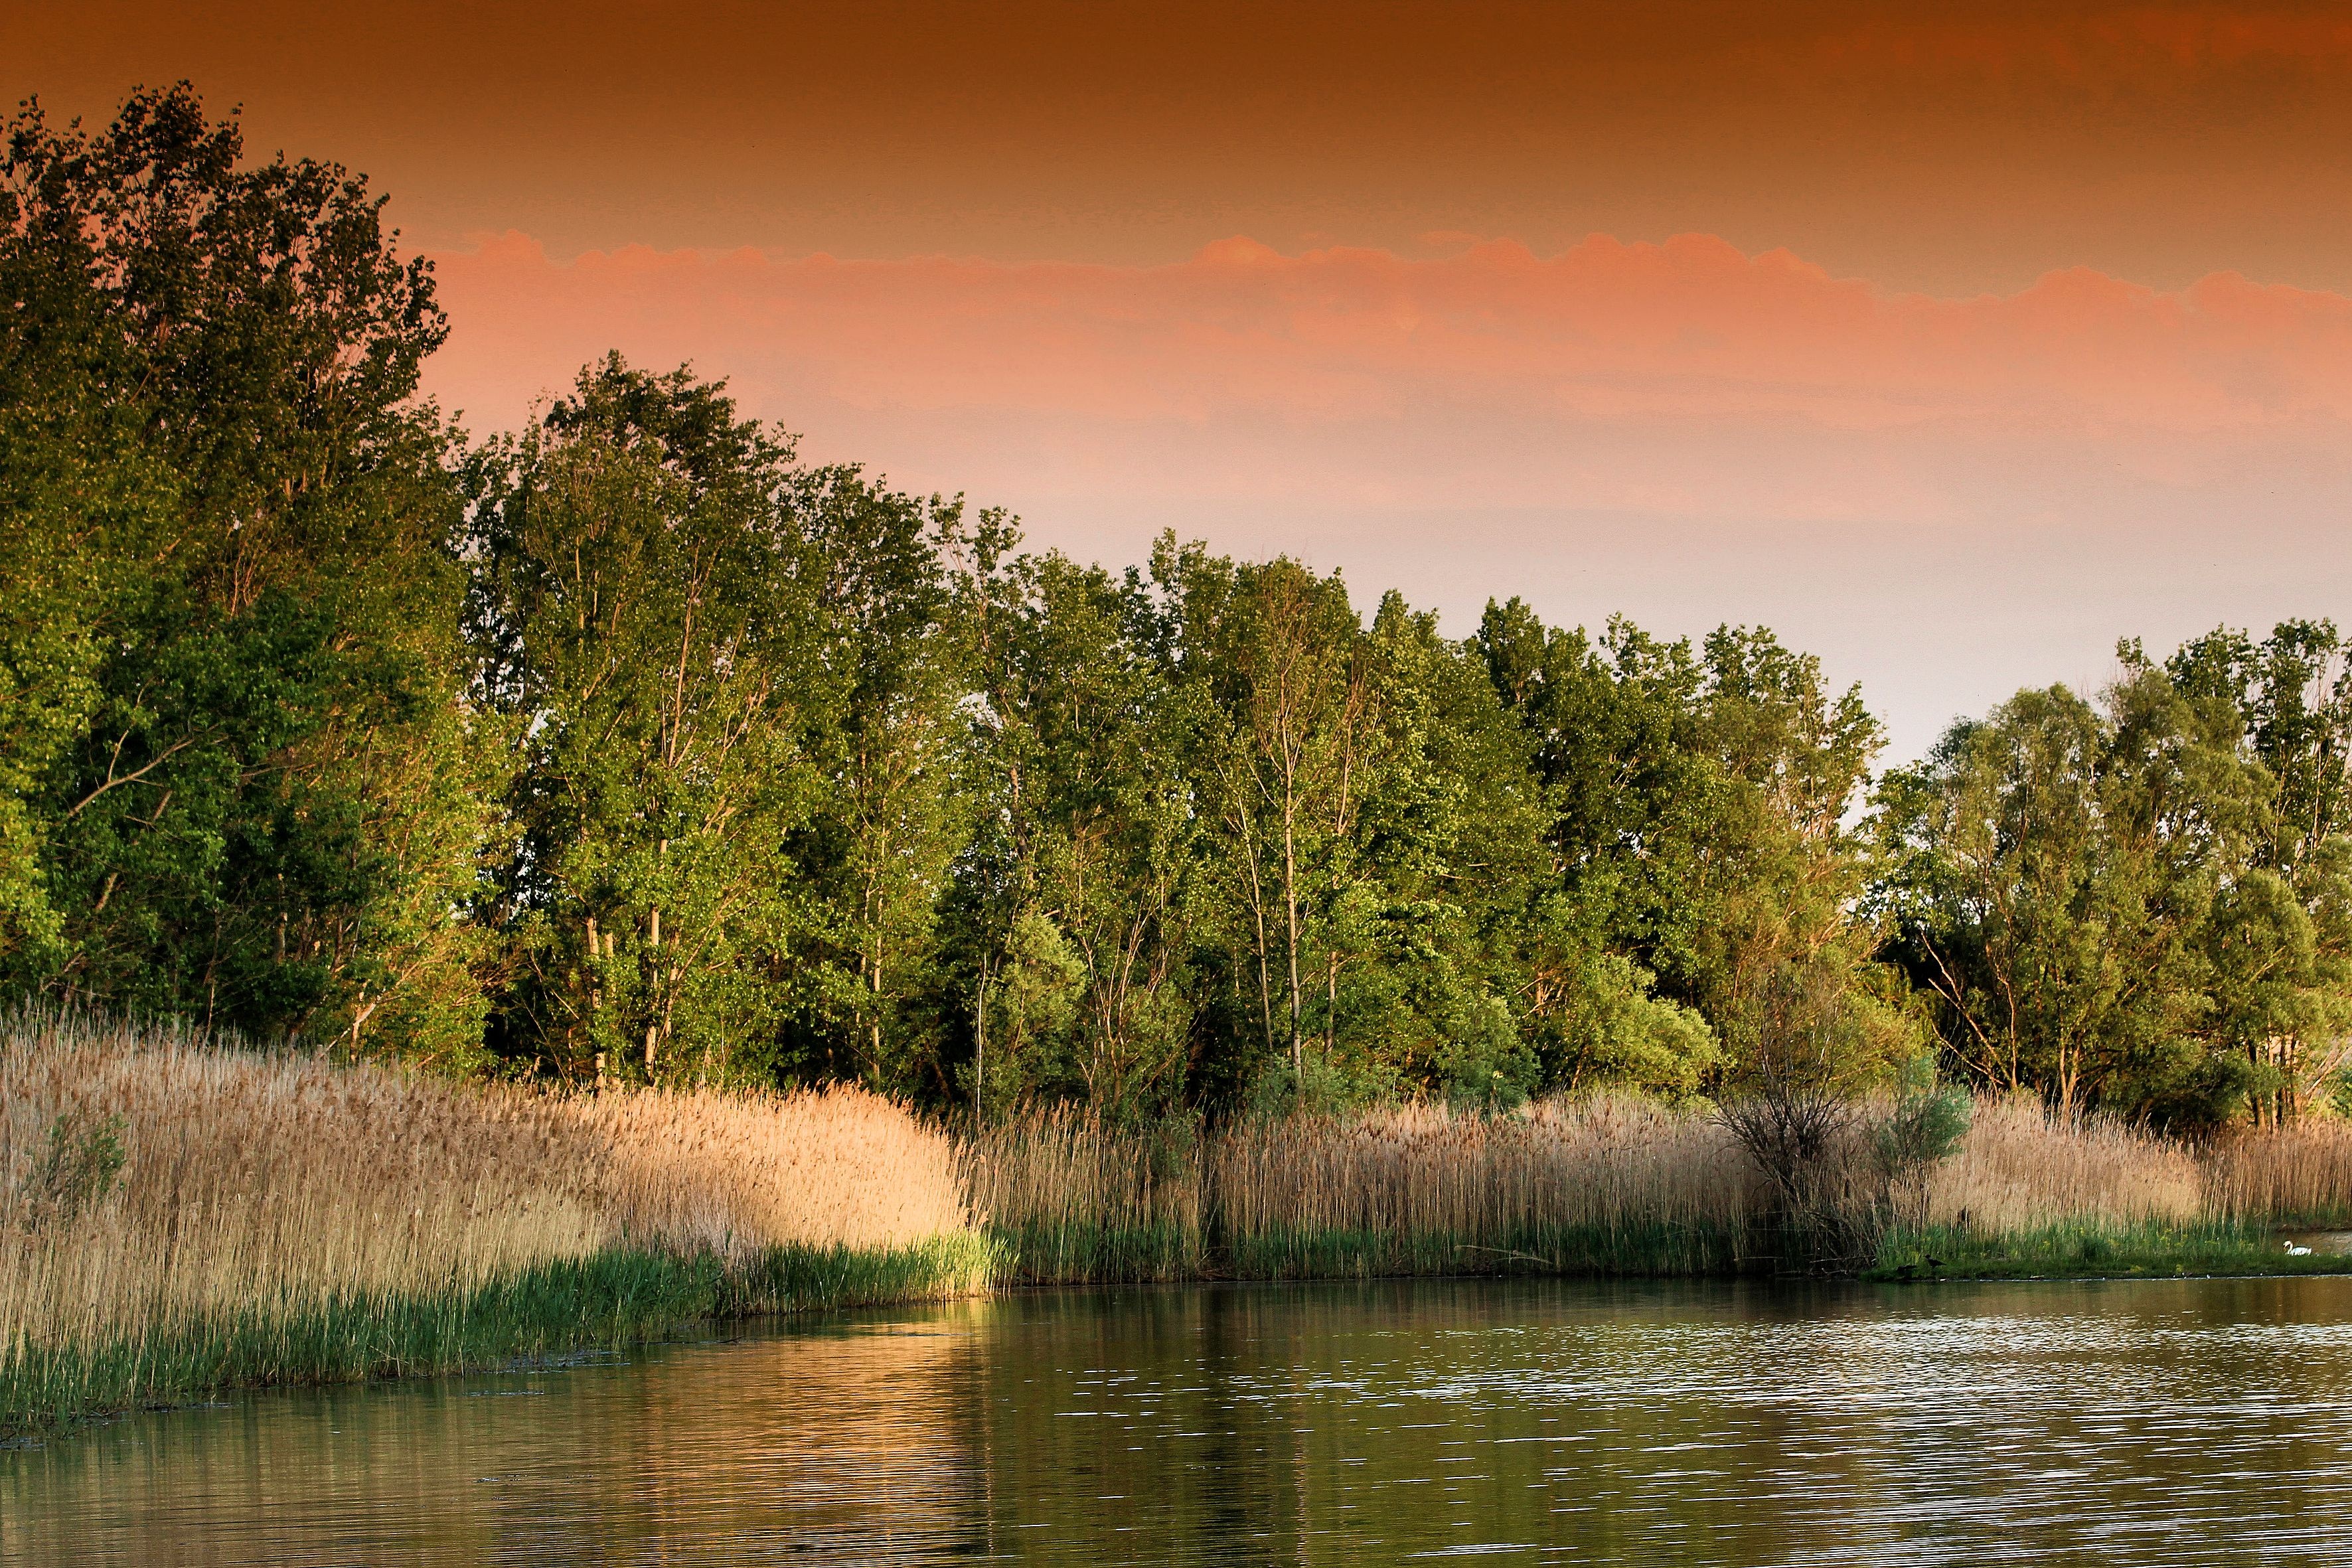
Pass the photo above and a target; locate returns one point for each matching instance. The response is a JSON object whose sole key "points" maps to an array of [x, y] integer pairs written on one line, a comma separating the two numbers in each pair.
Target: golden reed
{"points": [[1607, 1165], [2301, 1172], [1423, 1169], [252, 1183], [2022, 1168]]}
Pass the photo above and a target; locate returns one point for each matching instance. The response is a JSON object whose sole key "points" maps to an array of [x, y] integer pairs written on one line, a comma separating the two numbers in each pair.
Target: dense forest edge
{"points": [[631, 755]]}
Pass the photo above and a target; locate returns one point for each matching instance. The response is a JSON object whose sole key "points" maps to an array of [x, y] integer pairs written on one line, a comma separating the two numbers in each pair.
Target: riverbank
{"points": [[175, 1218], [604, 1302], [1627, 1187], [2091, 1250]]}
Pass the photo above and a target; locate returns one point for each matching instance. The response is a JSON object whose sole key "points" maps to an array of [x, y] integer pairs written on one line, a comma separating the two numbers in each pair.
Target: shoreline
{"points": [[177, 1219], [613, 1300], [605, 1301]]}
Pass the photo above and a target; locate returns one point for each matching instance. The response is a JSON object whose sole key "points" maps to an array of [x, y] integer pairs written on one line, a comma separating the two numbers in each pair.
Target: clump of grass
{"points": [[798, 1278], [166, 1205], [2093, 1245], [175, 1216], [1632, 1248], [740, 1173], [601, 1301]]}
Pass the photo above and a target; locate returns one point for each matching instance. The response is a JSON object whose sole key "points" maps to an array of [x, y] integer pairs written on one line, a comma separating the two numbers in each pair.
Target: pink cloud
{"points": [[1617, 368]]}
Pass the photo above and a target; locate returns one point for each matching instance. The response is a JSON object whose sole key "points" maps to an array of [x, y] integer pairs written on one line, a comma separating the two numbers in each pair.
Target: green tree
{"points": [[242, 784], [1281, 669], [1087, 844], [1697, 837], [884, 684], [2108, 903], [641, 606], [2281, 941]]}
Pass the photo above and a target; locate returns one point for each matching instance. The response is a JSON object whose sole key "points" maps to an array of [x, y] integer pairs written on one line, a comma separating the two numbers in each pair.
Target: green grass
{"points": [[1094, 1255], [812, 1279], [604, 1302], [1073, 1255], [1659, 1248], [2094, 1250]]}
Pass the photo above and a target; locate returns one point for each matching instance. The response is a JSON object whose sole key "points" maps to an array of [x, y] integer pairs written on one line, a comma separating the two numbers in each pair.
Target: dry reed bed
{"points": [[2021, 1169], [1422, 1170], [1060, 1167], [1602, 1165], [266, 1185], [1407, 1187], [2299, 1172]]}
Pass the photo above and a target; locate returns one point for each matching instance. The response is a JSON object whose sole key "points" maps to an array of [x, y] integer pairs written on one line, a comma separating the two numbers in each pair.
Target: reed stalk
{"points": [[175, 1216]]}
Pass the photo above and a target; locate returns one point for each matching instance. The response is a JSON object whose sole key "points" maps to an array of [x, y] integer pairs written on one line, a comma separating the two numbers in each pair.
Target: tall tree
{"points": [[245, 790], [1284, 678], [643, 607], [1087, 845], [2118, 904]]}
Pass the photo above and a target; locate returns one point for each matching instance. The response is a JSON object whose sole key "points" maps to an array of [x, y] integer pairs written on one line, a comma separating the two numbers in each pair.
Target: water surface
{"points": [[2147, 1422]]}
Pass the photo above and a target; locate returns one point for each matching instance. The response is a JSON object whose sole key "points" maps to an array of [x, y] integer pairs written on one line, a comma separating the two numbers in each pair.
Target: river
{"points": [[2152, 1422]]}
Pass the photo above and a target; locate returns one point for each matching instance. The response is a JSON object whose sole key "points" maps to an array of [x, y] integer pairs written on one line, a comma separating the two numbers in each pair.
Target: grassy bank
{"points": [[2094, 1248], [605, 1301], [176, 1217]]}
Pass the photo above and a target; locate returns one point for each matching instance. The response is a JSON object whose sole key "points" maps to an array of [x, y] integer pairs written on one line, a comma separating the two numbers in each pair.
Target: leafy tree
{"points": [[640, 605], [1278, 658], [2102, 899], [2280, 941], [1698, 839], [242, 784], [1086, 845], [882, 726]]}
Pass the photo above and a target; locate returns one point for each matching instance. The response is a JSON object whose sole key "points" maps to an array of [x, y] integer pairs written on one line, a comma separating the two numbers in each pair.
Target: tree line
{"points": [[633, 746]]}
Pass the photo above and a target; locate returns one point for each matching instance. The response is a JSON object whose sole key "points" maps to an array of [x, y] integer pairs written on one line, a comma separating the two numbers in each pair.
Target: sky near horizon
{"points": [[1954, 342]]}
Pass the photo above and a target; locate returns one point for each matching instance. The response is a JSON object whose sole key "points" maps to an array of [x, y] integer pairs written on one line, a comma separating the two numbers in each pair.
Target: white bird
{"points": [[2294, 1251]]}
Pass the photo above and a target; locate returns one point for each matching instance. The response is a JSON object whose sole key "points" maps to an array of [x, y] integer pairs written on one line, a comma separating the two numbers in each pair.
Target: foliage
{"points": [[76, 1170], [1922, 1129], [2139, 903], [240, 783]]}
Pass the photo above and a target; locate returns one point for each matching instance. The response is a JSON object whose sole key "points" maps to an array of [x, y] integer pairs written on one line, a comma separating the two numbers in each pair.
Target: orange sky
{"points": [[1954, 340]]}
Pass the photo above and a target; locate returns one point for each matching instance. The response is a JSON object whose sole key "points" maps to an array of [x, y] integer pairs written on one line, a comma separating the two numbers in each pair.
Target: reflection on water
{"points": [[2159, 1423]]}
